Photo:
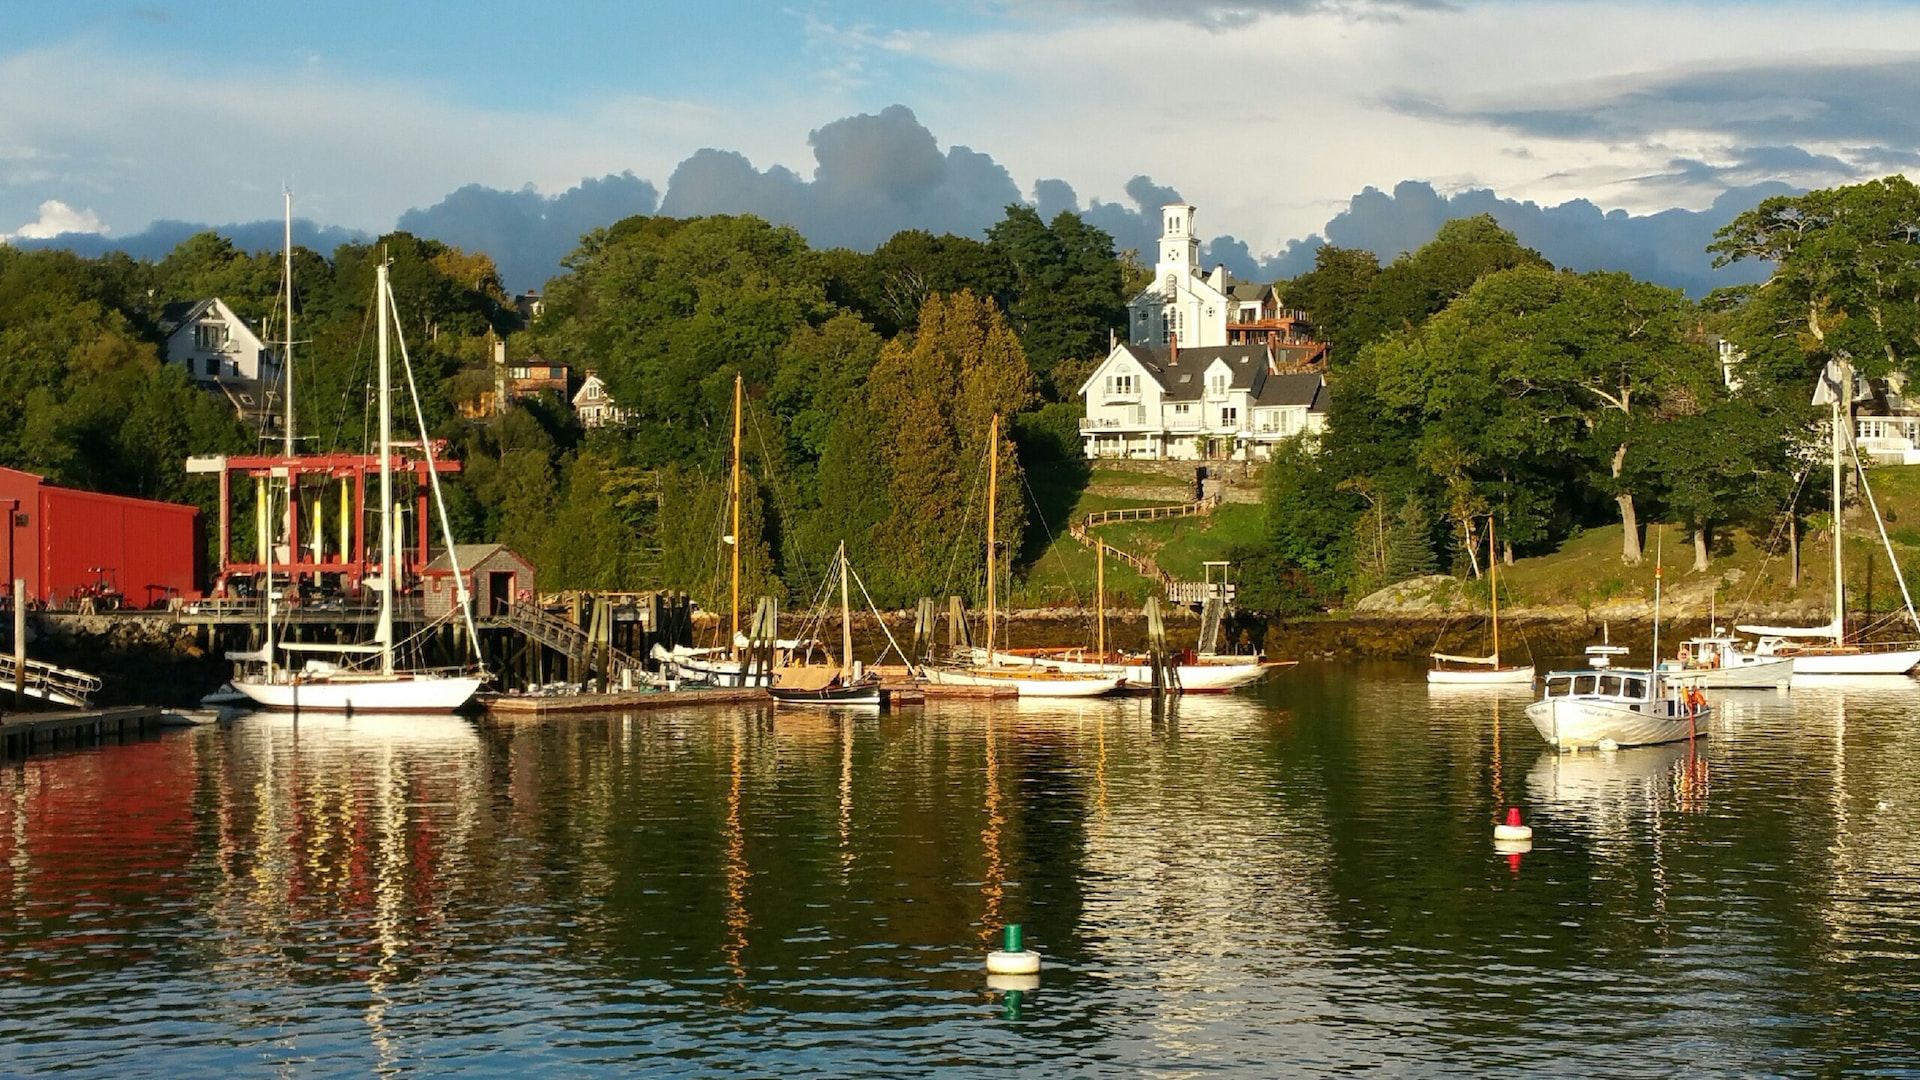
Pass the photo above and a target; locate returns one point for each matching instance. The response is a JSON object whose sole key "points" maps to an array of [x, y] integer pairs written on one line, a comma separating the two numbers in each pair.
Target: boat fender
{"points": [[1014, 959], [1511, 829]]}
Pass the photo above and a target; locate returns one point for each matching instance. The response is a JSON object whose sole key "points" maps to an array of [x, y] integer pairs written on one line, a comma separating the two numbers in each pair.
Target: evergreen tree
{"points": [[1410, 543]]}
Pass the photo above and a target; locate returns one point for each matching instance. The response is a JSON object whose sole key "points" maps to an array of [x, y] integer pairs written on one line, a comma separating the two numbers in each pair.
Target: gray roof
{"points": [[1183, 377], [470, 556], [181, 312], [1248, 290]]}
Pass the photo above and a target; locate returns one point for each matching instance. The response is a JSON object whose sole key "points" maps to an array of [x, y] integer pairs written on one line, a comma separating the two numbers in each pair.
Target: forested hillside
{"points": [[1468, 378]]}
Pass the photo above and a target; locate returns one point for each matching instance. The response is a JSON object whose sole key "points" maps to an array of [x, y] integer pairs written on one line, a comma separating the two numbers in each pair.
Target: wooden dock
{"points": [[25, 732]]}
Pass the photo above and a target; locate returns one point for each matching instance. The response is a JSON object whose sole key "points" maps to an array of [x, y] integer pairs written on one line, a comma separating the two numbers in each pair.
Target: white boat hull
{"points": [[1509, 676], [1027, 686], [1573, 723], [1892, 662], [1216, 677], [708, 665], [411, 694], [1759, 675]]}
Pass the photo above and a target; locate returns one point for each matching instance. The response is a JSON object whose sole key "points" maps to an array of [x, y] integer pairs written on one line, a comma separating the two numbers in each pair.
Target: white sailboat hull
{"points": [[1215, 677], [1506, 676], [1573, 723], [401, 693], [1758, 675], [1893, 662], [1028, 685]]}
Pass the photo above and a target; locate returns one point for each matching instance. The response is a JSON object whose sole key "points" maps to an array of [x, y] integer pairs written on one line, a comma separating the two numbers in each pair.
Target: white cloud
{"points": [[57, 218]]}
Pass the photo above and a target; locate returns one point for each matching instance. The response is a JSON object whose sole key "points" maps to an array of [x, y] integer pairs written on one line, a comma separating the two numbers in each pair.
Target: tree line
{"points": [[1469, 379]]}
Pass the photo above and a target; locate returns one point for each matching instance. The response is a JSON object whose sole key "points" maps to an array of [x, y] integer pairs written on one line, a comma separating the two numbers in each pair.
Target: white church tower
{"points": [[1183, 305]]}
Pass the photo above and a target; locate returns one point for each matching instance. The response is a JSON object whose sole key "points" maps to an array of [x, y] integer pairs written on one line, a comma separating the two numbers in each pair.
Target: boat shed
{"points": [[70, 546], [496, 577]]}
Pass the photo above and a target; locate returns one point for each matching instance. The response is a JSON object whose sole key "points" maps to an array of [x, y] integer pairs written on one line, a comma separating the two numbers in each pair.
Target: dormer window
{"points": [[1217, 384]]}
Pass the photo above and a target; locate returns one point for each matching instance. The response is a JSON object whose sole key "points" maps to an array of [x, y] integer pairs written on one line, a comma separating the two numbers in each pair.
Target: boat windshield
{"points": [[1636, 688], [1610, 685], [1559, 685], [1583, 684]]}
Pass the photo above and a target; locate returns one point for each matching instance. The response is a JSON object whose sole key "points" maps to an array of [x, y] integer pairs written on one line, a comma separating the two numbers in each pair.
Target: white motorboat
{"points": [[1451, 670], [1617, 707], [1718, 663], [1612, 707]]}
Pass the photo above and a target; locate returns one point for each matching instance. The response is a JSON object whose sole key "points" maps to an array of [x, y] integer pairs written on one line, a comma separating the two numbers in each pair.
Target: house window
{"points": [[1182, 409], [209, 337], [1229, 416], [1139, 414], [1217, 384]]}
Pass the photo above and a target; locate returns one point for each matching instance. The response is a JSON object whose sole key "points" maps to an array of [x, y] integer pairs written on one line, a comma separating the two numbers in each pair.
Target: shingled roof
{"points": [[1183, 378]]}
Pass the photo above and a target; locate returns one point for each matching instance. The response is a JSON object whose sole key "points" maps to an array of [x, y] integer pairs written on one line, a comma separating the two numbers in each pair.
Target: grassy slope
{"points": [[1587, 571], [1059, 571]]}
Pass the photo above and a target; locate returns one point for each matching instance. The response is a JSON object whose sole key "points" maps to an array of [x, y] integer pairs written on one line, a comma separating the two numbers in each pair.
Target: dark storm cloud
{"points": [[528, 233], [1668, 247], [1757, 104], [874, 175], [160, 237]]}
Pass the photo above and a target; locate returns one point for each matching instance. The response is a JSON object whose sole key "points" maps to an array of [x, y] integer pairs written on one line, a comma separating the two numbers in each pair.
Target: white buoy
{"points": [[1511, 829], [1512, 847], [1015, 959], [1023, 983]]}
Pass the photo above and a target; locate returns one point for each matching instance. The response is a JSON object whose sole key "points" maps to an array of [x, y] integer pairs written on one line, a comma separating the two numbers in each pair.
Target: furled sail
{"points": [[1831, 630]]}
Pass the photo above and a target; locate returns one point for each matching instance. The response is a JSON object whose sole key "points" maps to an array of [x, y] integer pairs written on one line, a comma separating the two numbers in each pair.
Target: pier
{"points": [[23, 733]]}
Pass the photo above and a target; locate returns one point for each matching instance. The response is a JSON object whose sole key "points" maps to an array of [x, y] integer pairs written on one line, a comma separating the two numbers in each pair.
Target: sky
{"points": [[1275, 117]]}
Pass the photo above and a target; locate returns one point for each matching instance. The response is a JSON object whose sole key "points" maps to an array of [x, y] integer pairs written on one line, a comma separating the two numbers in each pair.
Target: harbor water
{"points": [[1292, 881]]}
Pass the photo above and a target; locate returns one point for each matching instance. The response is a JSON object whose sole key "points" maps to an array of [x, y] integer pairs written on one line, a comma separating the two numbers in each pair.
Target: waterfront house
{"points": [[534, 376], [496, 576], [593, 405], [1886, 423], [220, 352], [1228, 401]]}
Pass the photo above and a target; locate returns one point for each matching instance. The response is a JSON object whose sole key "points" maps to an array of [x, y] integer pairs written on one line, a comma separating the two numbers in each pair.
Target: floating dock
{"points": [[24, 732]]}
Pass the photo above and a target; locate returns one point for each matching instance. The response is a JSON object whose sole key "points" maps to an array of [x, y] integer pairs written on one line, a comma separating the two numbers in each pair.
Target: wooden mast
{"points": [[1493, 590], [993, 502], [1100, 594], [734, 537], [846, 623]]}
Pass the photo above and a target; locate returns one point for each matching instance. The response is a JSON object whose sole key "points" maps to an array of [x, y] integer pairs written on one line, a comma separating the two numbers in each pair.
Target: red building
{"points": [[69, 544]]}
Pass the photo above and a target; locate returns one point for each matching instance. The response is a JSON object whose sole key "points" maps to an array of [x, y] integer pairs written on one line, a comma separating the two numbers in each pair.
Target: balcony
{"points": [[1107, 423]]}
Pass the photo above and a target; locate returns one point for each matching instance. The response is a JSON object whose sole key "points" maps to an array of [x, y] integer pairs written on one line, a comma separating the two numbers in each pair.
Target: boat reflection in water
{"points": [[1608, 791]]}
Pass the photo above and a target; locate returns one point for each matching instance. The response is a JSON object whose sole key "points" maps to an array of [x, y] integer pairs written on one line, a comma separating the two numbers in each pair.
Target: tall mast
{"points": [[265, 519], [735, 499], [1493, 590], [387, 545], [1100, 595], [993, 501], [1841, 395], [846, 622], [286, 354]]}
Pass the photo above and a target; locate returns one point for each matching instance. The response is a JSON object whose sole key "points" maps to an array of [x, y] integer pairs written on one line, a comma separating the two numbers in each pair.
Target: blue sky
{"points": [[1270, 114]]}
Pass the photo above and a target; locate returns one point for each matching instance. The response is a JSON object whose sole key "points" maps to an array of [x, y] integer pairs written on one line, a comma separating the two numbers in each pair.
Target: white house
{"points": [[1198, 309], [1181, 403], [221, 352], [593, 405]]}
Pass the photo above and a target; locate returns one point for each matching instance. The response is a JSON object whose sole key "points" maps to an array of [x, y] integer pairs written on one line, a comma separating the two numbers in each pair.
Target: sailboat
{"points": [[1840, 657], [1028, 680], [839, 683], [1482, 670], [375, 681], [1195, 674], [1616, 707], [723, 665]]}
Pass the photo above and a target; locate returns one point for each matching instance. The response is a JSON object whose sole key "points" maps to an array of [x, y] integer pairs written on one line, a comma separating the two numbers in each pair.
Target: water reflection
{"points": [[1295, 880]]}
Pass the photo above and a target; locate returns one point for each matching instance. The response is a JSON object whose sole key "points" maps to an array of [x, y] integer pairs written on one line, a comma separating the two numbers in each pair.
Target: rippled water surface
{"points": [[1295, 881]]}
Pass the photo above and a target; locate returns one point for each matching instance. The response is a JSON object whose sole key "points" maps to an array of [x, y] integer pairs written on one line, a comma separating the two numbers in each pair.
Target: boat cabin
{"points": [[1624, 685]]}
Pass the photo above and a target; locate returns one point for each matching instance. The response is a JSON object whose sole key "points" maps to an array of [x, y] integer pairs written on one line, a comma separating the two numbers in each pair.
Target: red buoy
{"points": [[1513, 815]]}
